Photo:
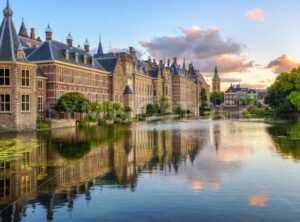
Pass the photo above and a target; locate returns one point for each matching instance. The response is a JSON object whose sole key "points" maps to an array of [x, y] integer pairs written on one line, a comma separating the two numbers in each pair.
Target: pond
{"points": [[188, 170]]}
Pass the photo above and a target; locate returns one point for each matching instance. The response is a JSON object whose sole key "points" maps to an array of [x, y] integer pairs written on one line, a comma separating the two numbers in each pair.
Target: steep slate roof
{"points": [[9, 40], [128, 90], [40, 73], [54, 50], [23, 30], [216, 74], [29, 43], [108, 63]]}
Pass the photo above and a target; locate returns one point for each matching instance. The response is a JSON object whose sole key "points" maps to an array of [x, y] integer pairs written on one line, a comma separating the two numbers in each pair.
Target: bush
{"points": [[152, 109]]}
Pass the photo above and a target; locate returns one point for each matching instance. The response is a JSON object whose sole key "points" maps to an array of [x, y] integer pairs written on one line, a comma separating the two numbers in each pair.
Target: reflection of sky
{"points": [[237, 176]]}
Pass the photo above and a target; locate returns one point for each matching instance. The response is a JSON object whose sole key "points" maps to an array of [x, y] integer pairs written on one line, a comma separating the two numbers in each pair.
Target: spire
{"points": [[100, 48], [10, 45], [216, 75], [87, 46], [48, 32], [70, 40], [23, 30], [183, 65], [7, 11]]}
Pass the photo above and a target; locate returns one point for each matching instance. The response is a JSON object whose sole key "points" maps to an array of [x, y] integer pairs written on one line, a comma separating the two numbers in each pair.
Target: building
{"points": [[34, 74], [235, 94], [216, 81]]}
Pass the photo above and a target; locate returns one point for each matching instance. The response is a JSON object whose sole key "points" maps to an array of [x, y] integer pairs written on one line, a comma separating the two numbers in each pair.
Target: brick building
{"points": [[34, 74]]}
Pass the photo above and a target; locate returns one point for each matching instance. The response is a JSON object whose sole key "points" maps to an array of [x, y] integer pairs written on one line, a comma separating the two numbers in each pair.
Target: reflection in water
{"points": [[258, 200], [60, 169], [287, 139]]}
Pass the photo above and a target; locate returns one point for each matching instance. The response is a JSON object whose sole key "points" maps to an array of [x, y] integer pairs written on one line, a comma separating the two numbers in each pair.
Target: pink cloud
{"points": [[256, 15], [284, 63]]}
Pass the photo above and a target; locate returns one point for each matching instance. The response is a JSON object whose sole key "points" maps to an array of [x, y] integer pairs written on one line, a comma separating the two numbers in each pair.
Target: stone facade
{"points": [[56, 68]]}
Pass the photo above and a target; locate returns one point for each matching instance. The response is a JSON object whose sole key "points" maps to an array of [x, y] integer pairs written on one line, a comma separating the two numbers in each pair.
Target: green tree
{"points": [[204, 102], [74, 102], [282, 94], [294, 99], [152, 109], [217, 98], [164, 104]]}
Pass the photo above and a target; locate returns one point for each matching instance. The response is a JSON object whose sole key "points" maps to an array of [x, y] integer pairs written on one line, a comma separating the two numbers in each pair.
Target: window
{"points": [[4, 103], [40, 84], [4, 77], [40, 104], [25, 103], [25, 78], [61, 75]]}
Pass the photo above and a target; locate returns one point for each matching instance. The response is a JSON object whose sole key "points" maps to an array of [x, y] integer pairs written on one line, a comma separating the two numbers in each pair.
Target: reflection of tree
{"points": [[287, 138]]}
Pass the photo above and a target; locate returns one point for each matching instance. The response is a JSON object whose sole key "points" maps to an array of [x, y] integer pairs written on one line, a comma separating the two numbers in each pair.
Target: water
{"points": [[182, 171]]}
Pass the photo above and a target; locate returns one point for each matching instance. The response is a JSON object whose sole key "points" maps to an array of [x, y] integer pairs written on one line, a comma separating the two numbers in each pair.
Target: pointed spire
{"points": [[183, 65], [216, 75], [87, 46], [7, 11], [23, 30], [100, 48]]}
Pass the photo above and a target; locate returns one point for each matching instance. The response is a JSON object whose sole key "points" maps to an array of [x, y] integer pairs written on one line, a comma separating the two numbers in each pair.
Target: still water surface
{"points": [[169, 171]]}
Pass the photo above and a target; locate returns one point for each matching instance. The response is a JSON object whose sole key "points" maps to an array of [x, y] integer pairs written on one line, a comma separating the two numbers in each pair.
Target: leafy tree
{"points": [[164, 104], [283, 94], [152, 109], [217, 98], [294, 99], [74, 102], [204, 104]]}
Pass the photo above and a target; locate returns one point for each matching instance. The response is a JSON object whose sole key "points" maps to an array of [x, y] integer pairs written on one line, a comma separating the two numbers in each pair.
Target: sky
{"points": [[251, 41]]}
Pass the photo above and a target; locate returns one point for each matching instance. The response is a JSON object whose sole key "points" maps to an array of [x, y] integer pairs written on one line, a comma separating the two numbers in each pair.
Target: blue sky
{"points": [[127, 22]]}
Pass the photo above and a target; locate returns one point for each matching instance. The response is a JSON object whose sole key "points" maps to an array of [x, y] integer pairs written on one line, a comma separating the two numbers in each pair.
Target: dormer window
{"points": [[76, 57], [67, 54], [20, 52]]}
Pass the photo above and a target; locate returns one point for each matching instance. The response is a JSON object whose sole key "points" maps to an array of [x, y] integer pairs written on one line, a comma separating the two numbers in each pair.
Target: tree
{"points": [[152, 109], [281, 95], [164, 104], [294, 99], [204, 105], [74, 102], [217, 98]]}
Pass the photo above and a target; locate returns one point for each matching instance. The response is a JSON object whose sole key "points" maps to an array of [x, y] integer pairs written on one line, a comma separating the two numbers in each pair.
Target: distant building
{"points": [[235, 93], [216, 81]]}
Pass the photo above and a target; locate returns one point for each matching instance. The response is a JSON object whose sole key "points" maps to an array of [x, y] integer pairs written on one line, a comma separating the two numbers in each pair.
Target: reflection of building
{"points": [[34, 74], [57, 167]]}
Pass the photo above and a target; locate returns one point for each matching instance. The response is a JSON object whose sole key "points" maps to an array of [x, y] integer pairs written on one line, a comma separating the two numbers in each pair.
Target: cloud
{"points": [[230, 80], [254, 86], [204, 47], [257, 15], [284, 63]]}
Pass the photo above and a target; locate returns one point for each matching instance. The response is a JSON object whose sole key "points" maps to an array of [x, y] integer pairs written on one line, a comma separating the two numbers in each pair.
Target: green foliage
{"points": [[283, 95], [217, 98], [257, 111], [152, 109], [294, 99], [204, 102], [164, 104], [41, 125], [74, 102]]}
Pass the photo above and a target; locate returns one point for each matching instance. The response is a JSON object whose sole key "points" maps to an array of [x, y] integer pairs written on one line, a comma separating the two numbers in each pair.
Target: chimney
{"points": [[70, 40], [132, 51], [48, 33], [32, 33], [161, 62], [169, 63], [175, 60]]}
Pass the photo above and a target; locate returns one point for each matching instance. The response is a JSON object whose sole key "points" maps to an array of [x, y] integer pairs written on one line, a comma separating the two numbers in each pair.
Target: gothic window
{"points": [[40, 104], [40, 84]]}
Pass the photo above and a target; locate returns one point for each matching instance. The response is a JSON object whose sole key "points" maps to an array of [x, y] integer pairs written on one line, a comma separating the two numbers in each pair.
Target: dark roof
{"points": [[29, 43], [216, 74], [28, 51], [23, 30], [9, 40], [40, 73], [128, 90], [100, 48], [54, 50], [108, 63]]}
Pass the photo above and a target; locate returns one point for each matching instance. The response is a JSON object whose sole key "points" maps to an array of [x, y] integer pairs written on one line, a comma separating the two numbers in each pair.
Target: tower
{"points": [[216, 81], [18, 110]]}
